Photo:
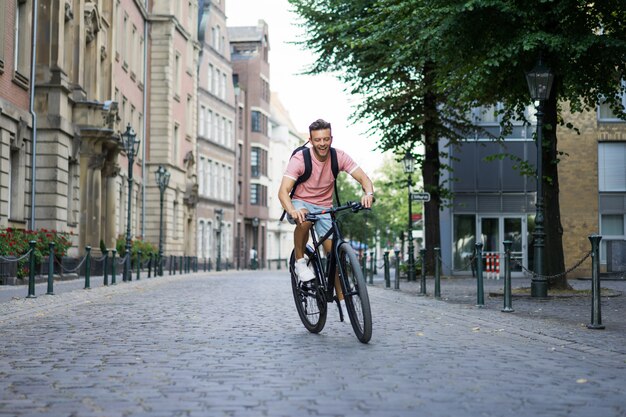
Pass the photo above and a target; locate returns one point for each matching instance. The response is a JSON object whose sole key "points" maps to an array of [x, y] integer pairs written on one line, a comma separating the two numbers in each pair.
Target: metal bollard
{"points": [[423, 274], [507, 277], [151, 256], [480, 291], [596, 314], [31, 270], [372, 266], [50, 269], [437, 273], [387, 277], [180, 260], [396, 284], [205, 264], [364, 265], [138, 265], [105, 280], [88, 268], [169, 266], [113, 274]]}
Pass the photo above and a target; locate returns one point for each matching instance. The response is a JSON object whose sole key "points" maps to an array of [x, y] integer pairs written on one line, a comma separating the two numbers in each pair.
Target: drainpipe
{"points": [[34, 115], [145, 123]]}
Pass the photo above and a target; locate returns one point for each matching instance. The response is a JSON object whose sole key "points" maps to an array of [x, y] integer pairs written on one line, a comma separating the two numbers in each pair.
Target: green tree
{"points": [[484, 47], [421, 64], [391, 69]]}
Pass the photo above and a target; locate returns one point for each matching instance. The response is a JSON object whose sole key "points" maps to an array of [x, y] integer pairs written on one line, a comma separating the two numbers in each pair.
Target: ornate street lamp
{"points": [[131, 147], [219, 215], [162, 176], [409, 167], [539, 80]]}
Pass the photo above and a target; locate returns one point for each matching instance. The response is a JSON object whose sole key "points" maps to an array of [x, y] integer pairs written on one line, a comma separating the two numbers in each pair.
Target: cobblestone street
{"points": [[231, 344]]}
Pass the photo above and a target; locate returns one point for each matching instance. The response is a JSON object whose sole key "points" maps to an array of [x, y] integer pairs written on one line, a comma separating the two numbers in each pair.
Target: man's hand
{"points": [[367, 200], [298, 215]]}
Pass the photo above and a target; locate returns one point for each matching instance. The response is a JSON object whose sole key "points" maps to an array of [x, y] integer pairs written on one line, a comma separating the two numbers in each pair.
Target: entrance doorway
{"points": [[493, 230]]}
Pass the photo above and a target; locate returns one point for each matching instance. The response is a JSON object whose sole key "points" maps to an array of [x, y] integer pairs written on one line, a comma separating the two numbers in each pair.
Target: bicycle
{"points": [[312, 298]]}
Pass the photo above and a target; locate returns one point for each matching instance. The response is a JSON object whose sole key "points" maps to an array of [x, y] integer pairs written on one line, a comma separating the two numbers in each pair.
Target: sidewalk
{"points": [[566, 316]]}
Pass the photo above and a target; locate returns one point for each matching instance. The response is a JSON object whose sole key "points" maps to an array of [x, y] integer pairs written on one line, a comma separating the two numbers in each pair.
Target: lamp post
{"points": [[539, 80], [409, 167], [162, 179], [131, 146], [255, 232], [219, 215]]}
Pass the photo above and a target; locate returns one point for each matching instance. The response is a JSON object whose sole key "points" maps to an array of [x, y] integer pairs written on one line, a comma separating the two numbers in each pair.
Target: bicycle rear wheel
{"points": [[309, 299], [355, 293]]}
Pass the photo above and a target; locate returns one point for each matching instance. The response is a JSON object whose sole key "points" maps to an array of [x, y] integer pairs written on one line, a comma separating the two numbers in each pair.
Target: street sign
{"points": [[420, 196]]}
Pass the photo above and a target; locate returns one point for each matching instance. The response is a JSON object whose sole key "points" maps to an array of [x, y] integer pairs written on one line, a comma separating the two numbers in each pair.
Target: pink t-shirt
{"points": [[318, 189]]}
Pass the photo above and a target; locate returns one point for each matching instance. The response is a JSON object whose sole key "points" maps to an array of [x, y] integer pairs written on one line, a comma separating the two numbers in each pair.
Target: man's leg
{"points": [[300, 238]]}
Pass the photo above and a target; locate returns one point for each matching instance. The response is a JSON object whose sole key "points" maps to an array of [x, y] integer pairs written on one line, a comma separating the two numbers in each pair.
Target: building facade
{"points": [[251, 73], [16, 140], [216, 141]]}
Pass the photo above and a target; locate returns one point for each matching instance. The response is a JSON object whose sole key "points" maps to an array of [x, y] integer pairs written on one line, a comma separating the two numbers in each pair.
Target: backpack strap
{"points": [[308, 167], [334, 165]]}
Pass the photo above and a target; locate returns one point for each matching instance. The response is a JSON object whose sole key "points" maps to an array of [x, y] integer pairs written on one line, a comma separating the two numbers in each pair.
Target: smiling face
{"points": [[321, 140]]}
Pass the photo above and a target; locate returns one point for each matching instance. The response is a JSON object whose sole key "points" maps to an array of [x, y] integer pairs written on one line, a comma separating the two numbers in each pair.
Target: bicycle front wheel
{"points": [[309, 299], [355, 293]]}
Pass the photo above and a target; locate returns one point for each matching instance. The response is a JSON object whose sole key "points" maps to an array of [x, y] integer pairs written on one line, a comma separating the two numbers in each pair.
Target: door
{"points": [[493, 230]]}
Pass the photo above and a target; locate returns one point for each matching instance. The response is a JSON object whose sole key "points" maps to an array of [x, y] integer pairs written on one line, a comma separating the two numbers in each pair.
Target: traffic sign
{"points": [[420, 196]]}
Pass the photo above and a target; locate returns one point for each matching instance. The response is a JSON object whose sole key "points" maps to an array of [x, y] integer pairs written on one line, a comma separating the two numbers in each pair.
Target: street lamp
{"points": [[255, 232], [409, 167], [131, 146], [219, 215], [162, 179], [539, 80]]}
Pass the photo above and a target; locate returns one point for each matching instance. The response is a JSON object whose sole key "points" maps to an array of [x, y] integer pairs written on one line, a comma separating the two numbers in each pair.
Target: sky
{"points": [[305, 97]]}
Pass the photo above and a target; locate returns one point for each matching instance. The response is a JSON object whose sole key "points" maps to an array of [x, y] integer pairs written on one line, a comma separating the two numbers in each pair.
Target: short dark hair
{"points": [[319, 124]]}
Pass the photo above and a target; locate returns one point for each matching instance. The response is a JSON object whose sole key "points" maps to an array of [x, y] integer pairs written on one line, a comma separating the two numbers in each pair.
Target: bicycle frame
{"points": [[328, 274]]}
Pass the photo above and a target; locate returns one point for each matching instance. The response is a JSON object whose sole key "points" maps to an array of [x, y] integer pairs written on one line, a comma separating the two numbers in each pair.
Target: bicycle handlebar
{"points": [[350, 205]]}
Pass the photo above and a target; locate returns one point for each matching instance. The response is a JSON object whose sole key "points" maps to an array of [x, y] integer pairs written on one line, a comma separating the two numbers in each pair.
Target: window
{"points": [[176, 144], [216, 82], [223, 87], [612, 166], [175, 220], [201, 122], [22, 42], [201, 176], [72, 195], [258, 195], [2, 35], [201, 243], [177, 72], [464, 239], [255, 162], [210, 78], [209, 125], [17, 178], [208, 189], [256, 121], [606, 114]]}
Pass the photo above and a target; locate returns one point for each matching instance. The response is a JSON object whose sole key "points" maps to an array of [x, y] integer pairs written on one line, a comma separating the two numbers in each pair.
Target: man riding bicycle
{"points": [[316, 193]]}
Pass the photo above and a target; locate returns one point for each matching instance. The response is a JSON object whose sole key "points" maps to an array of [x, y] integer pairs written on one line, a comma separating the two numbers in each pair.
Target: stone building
{"points": [[250, 57], [100, 66], [216, 139], [16, 140], [172, 91]]}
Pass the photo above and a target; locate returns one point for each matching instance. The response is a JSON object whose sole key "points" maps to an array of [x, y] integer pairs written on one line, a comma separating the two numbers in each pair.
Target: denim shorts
{"points": [[323, 223]]}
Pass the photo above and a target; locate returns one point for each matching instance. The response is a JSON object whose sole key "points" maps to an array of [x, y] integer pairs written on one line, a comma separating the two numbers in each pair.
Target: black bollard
{"points": [[480, 290], [150, 257], [507, 277], [31, 271], [138, 265], [205, 264], [396, 284], [387, 277], [437, 273], [372, 267], [423, 273], [113, 274], [105, 280], [88, 268], [169, 266], [180, 260], [50, 269], [596, 314]]}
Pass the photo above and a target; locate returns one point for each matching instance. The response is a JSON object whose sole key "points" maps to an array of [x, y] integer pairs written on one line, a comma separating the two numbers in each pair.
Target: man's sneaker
{"points": [[303, 272]]}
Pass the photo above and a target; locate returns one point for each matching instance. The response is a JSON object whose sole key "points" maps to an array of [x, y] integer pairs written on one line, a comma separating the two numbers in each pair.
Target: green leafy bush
{"points": [[15, 242], [137, 245]]}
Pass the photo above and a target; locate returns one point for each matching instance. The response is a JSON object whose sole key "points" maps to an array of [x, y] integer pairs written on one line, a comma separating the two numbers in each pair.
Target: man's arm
{"points": [[283, 195], [360, 175]]}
